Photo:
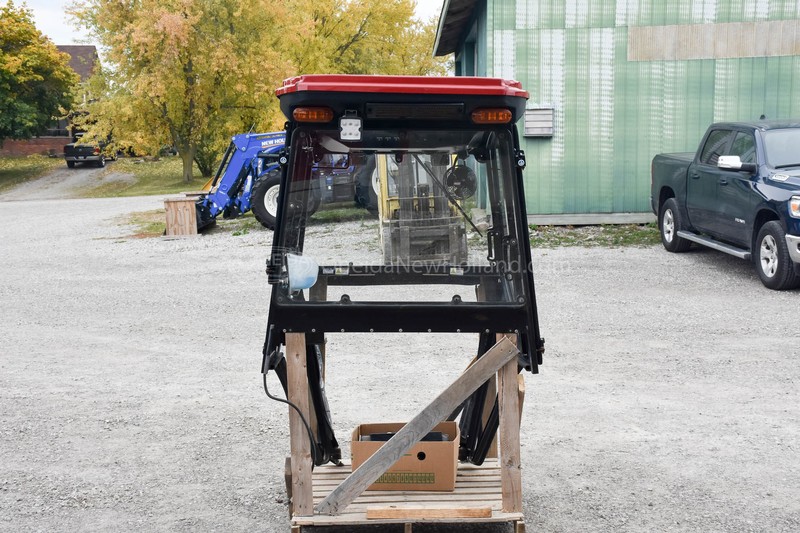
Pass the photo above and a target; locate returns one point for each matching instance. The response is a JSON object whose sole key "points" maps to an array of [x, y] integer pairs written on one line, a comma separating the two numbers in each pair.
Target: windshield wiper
{"points": [[453, 201], [787, 166]]}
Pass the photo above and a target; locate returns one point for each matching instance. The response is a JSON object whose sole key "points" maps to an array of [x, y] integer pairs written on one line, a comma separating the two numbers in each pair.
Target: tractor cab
{"points": [[449, 251]]}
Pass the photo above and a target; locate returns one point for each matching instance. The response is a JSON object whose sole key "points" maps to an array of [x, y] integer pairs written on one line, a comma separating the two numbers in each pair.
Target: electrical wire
{"points": [[314, 450]]}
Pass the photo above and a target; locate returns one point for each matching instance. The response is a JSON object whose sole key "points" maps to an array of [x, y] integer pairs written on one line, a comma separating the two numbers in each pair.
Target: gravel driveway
{"points": [[131, 400]]}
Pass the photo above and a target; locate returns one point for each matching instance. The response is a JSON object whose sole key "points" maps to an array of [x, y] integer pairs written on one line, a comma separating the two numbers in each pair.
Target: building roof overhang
{"points": [[453, 24]]}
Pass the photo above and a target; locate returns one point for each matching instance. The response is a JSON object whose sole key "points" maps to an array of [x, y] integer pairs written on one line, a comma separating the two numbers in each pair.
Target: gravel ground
{"points": [[131, 400]]}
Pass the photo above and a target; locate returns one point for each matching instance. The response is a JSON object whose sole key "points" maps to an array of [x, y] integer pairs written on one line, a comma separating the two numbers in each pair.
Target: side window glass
{"points": [[714, 147], [744, 145]]}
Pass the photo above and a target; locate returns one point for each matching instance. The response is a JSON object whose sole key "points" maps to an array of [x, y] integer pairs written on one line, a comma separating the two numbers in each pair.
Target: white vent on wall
{"points": [[539, 122]]}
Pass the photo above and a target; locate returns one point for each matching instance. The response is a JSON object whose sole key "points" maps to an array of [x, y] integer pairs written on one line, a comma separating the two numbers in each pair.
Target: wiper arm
{"points": [[452, 200], [788, 166]]}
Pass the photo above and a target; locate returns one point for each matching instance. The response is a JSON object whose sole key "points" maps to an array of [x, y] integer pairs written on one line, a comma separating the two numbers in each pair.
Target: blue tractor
{"points": [[248, 179], [251, 160]]}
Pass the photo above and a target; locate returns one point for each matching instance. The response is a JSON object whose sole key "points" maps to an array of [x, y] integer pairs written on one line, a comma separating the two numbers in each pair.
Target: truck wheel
{"points": [[101, 162], [264, 199], [773, 263], [670, 223], [71, 164]]}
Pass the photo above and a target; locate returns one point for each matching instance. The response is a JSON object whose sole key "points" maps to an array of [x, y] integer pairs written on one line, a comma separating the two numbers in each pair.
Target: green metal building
{"points": [[614, 82]]}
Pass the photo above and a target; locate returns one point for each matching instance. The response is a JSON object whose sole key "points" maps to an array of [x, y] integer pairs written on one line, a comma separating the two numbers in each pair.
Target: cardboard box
{"points": [[429, 465]]}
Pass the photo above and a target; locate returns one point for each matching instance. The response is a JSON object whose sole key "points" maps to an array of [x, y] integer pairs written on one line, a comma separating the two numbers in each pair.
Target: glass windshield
{"points": [[782, 147], [437, 219]]}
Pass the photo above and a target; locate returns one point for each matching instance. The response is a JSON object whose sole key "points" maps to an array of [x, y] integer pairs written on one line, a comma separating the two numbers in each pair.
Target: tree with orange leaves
{"points": [[191, 73]]}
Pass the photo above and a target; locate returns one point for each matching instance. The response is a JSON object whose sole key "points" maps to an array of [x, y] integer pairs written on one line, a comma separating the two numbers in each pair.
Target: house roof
{"points": [[83, 58], [453, 24]]}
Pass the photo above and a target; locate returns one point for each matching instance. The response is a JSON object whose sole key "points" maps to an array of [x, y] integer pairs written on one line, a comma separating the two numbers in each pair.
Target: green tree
{"points": [[36, 83], [361, 37], [189, 73]]}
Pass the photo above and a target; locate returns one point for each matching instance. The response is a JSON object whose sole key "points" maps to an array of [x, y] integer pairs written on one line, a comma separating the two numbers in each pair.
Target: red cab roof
{"points": [[353, 83]]}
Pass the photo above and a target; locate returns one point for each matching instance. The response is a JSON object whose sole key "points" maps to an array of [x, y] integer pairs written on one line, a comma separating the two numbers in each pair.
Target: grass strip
{"points": [[150, 177], [607, 235], [17, 170]]}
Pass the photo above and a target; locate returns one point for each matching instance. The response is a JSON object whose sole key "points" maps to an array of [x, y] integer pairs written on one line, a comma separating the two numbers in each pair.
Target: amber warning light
{"points": [[491, 116], [313, 114]]}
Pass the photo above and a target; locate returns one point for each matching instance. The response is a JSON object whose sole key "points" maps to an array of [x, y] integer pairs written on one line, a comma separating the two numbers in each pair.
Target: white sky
{"points": [[49, 17]]}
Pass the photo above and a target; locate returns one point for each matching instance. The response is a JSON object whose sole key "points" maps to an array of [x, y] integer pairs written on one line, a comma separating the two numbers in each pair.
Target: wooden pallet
{"points": [[331, 496], [477, 498]]}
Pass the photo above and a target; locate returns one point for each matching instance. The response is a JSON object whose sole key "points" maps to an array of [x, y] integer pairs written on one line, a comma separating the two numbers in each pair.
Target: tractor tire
{"points": [[264, 199], [366, 185], [314, 202], [366, 193]]}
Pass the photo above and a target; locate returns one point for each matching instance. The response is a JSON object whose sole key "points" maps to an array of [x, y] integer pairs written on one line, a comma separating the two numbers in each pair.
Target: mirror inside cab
{"points": [[734, 162], [331, 161]]}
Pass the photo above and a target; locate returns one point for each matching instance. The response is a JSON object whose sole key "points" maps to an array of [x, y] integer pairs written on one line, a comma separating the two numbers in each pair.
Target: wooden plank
{"points": [[519, 527], [510, 462], [427, 513], [489, 467], [466, 504], [471, 481], [287, 480], [471, 478], [491, 498], [444, 404], [469, 491], [319, 291], [297, 381], [360, 519]]}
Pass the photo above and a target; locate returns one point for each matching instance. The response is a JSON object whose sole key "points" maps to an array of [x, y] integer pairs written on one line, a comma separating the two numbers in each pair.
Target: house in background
{"points": [[614, 82], [83, 60]]}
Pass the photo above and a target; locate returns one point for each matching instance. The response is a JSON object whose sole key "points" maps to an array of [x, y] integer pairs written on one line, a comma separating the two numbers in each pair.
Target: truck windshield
{"points": [[781, 147], [442, 212]]}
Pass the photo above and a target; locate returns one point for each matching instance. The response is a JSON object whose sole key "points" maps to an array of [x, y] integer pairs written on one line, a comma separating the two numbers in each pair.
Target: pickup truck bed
{"points": [[76, 152]]}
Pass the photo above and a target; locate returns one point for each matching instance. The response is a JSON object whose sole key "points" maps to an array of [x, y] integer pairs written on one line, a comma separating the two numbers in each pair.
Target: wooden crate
{"points": [[181, 216]]}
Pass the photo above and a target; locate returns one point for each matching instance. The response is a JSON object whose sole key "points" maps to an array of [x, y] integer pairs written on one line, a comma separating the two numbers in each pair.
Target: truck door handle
{"points": [[723, 181], [694, 175]]}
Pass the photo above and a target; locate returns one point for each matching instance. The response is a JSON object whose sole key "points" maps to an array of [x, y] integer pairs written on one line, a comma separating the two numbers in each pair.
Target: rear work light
{"points": [[498, 115], [313, 114]]}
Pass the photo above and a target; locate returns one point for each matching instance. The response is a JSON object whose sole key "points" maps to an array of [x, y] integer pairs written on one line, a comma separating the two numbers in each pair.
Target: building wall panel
{"points": [[628, 79]]}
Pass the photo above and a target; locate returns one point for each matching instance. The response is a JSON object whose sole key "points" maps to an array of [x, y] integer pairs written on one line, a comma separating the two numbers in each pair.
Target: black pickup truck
{"points": [[77, 152], [739, 194]]}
